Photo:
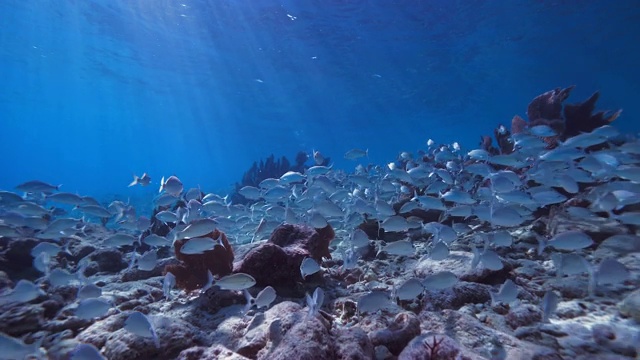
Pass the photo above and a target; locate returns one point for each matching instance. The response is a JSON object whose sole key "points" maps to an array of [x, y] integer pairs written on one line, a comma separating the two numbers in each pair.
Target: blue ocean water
{"points": [[94, 91]]}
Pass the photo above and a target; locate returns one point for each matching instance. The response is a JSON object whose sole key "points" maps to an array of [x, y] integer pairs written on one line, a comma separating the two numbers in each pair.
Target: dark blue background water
{"points": [[93, 91]]}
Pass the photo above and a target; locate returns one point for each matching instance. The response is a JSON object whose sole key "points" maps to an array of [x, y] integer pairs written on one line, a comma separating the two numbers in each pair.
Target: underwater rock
{"points": [[404, 327], [214, 352], [277, 261], [17, 320], [136, 274], [191, 273], [431, 347], [308, 339], [630, 306], [523, 315], [353, 344], [460, 294], [107, 261], [174, 336], [16, 259], [618, 245]]}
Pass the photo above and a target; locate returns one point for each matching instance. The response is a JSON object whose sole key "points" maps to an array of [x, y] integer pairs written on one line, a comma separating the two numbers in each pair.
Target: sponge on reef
{"points": [[191, 273]]}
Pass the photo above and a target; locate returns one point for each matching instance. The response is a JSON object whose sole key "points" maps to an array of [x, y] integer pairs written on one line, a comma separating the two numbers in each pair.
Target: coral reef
{"points": [[191, 273], [277, 262], [269, 168], [548, 109]]}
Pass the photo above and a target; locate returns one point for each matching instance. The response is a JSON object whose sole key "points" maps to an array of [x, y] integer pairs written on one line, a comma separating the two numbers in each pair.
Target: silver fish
{"points": [[308, 267], [237, 281], [143, 180], [139, 324], [439, 281], [549, 305], [507, 293], [92, 308], [354, 154], [171, 185]]}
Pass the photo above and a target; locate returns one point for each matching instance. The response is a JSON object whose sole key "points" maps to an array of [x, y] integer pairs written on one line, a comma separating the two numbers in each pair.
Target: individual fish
{"points": [[359, 238], [568, 240], [314, 303], [237, 281], [439, 281], [263, 299], [489, 258], [143, 180], [506, 216], [8, 231], [172, 186], [65, 198], [354, 154], [458, 197], [317, 170], [198, 245], [328, 208], [373, 302], [318, 158], [409, 290], [611, 271], [439, 251], [47, 247], [139, 324], [167, 216], [168, 283], [61, 277], [119, 239], [36, 186], [165, 199], [193, 194], [569, 264], [12, 348], [86, 352], [291, 177], [148, 260], [92, 308], [24, 291], [8, 198], [94, 210], [309, 267], [42, 263], [31, 209], [549, 305], [156, 240], [250, 192], [89, 291], [507, 293], [398, 248], [500, 238], [395, 223], [542, 131], [197, 228]]}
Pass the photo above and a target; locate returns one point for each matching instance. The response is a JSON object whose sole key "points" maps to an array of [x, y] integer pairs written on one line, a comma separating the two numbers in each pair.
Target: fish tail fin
{"points": [[135, 181], [494, 301], [161, 185], [542, 244], [250, 301], [366, 152]]}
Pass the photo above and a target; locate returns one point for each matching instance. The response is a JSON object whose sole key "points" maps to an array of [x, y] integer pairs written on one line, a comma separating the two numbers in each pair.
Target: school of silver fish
{"points": [[497, 192]]}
